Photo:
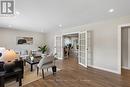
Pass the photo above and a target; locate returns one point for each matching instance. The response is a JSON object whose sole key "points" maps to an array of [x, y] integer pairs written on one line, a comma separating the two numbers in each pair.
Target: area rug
{"points": [[30, 76]]}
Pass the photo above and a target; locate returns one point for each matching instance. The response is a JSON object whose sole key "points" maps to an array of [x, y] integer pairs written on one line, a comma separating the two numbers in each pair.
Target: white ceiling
{"points": [[46, 15]]}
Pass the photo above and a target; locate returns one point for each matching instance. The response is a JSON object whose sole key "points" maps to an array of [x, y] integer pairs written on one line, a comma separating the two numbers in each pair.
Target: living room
{"points": [[32, 39], [11, 42]]}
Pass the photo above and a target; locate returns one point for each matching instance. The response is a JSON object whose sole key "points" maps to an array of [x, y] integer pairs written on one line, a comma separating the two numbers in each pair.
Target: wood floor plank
{"points": [[74, 75]]}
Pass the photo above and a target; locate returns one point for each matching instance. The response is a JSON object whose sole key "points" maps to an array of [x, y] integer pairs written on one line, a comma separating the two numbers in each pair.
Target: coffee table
{"points": [[35, 61]]}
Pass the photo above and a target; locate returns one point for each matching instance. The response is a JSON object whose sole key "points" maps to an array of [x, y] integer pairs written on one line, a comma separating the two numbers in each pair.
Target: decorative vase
{"points": [[32, 58]]}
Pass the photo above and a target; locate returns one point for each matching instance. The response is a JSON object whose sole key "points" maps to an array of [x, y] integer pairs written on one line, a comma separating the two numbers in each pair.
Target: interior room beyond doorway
{"points": [[70, 45]]}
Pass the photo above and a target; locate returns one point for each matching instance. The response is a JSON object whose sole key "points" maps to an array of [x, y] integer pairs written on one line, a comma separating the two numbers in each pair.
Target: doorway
{"points": [[125, 48], [58, 46], [77, 45], [70, 46], [120, 48]]}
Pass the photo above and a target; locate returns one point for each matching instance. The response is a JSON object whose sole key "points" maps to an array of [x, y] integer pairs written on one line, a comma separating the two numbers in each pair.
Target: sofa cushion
{"points": [[9, 67]]}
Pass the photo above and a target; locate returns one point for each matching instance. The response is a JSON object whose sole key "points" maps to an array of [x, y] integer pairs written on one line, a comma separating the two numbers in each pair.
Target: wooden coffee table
{"points": [[35, 61]]}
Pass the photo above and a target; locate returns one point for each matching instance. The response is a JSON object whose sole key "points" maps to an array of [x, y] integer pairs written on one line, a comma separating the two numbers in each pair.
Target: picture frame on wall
{"points": [[24, 40]]}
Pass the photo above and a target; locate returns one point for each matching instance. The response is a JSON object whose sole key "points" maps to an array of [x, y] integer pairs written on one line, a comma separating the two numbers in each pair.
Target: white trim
{"points": [[70, 33], [78, 49], [60, 58], [104, 69], [90, 65], [119, 45], [61, 45], [119, 49], [126, 67], [83, 65]]}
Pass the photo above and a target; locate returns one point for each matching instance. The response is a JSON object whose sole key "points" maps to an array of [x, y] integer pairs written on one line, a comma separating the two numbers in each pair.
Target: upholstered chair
{"points": [[45, 63]]}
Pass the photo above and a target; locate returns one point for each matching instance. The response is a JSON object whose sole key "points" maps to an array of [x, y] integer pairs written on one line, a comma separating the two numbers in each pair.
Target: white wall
{"points": [[8, 39], [105, 41], [50, 38]]}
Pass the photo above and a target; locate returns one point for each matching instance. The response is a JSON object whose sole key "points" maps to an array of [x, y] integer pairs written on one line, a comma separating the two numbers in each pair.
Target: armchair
{"points": [[45, 63]]}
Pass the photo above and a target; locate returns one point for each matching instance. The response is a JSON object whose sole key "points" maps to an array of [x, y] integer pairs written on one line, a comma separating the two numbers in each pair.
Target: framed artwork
{"points": [[24, 40]]}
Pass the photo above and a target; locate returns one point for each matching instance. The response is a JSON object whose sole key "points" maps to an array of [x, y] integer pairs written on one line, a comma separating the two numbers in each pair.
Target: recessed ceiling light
{"points": [[60, 25], [111, 10], [17, 13]]}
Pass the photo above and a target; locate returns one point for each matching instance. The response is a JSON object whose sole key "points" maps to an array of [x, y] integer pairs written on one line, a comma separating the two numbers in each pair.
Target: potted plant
{"points": [[43, 49]]}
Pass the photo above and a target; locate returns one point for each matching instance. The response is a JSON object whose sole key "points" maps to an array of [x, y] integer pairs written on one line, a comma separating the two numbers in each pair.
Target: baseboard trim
{"points": [[82, 65], [104, 69], [90, 66], [125, 67], [60, 58]]}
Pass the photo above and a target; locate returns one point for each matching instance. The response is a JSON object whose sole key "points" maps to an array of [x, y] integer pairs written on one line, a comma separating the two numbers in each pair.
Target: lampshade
{"points": [[9, 55]]}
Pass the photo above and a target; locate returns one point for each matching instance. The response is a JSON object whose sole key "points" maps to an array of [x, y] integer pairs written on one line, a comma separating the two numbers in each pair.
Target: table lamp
{"points": [[9, 56]]}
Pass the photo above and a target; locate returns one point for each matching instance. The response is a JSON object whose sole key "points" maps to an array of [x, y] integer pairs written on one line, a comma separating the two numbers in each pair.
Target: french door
{"points": [[58, 46], [82, 57], [89, 47]]}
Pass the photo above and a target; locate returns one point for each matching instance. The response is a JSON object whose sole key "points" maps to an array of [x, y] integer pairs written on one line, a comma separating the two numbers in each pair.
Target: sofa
{"points": [[13, 70]]}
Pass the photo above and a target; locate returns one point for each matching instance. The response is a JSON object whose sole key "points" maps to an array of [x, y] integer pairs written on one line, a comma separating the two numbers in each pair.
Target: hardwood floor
{"points": [[74, 75]]}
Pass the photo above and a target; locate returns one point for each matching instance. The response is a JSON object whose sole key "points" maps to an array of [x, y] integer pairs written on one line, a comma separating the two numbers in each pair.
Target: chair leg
{"points": [[20, 82], [24, 62], [54, 70], [20, 79], [2, 81], [43, 73], [17, 79], [37, 70]]}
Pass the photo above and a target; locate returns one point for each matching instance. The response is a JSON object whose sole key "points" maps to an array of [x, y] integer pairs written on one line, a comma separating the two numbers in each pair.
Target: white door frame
{"points": [[62, 42], [119, 45], [61, 45], [78, 43], [70, 33]]}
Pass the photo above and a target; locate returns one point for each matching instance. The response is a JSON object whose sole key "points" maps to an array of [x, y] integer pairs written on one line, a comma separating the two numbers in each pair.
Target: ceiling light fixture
{"points": [[60, 25], [111, 10]]}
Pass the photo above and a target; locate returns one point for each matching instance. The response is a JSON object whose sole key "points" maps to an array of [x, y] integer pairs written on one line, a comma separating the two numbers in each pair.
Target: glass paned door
{"points": [[58, 46], [83, 48]]}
